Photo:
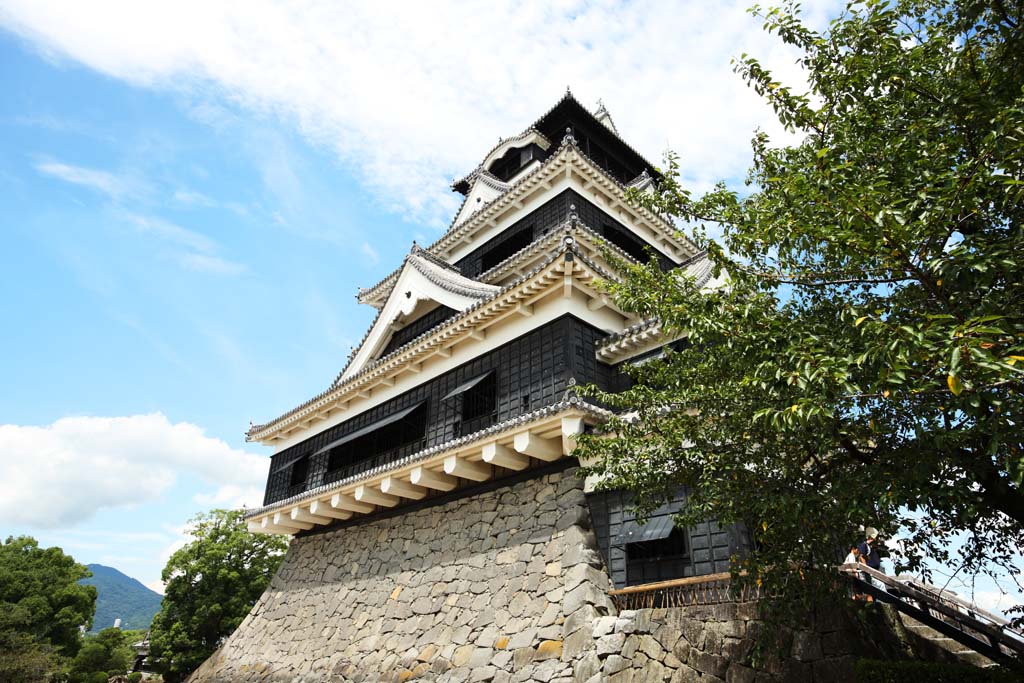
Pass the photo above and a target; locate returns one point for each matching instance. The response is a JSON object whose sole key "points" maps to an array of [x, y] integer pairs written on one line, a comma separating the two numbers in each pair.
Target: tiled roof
{"points": [[456, 231], [442, 274], [481, 172], [700, 268], [439, 331]]}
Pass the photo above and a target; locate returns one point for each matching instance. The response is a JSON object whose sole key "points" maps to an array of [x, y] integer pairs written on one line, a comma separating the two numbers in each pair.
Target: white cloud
{"points": [[170, 232], [194, 198], [205, 263], [63, 473], [101, 181], [407, 105], [370, 253], [231, 496]]}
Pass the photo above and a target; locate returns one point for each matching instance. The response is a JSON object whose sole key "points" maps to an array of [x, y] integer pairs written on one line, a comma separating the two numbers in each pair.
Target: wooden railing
{"points": [[976, 628], [711, 589]]}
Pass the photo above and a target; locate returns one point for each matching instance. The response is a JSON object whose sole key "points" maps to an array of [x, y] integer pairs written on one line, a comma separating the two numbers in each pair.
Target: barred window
{"points": [[379, 443], [481, 400], [300, 470], [507, 248]]}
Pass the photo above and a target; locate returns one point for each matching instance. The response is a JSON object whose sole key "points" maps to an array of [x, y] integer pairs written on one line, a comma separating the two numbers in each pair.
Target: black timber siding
{"points": [[549, 215], [594, 139], [532, 371], [708, 545], [415, 328]]}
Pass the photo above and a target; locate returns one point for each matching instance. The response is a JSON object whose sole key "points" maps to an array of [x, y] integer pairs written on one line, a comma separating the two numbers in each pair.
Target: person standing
{"points": [[868, 555]]}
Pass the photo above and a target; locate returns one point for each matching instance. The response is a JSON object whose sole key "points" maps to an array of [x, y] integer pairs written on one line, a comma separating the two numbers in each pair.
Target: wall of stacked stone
{"points": [[505, 586]]}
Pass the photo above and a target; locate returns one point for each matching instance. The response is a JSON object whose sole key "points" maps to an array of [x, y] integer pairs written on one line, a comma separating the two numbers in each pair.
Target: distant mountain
{"points": [[121, 597]]}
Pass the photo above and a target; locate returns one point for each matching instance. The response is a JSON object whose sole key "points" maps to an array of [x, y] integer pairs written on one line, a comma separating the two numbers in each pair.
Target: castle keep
{"points": [[440, 532]]}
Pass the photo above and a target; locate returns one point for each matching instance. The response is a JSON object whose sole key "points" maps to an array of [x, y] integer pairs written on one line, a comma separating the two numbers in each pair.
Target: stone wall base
{"points": [[505, 586]]}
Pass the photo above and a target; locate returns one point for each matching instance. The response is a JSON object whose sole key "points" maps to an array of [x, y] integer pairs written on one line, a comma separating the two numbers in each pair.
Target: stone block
{"points": [[522, 657], [651, 647], [523, 639], [553, 632], [712, 641], [576, 644], [604, 626], [548, 649], [614, 664], [737, 673], [631, 645], [708, 663], [806, 646], [481, 657], [654, 672], [610, 644], [624, 676], [462, 655], [586, 666], [736, 650], [581, 619]]}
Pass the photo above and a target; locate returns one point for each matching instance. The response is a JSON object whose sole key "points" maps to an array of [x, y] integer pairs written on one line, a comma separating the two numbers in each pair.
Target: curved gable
{"points": [[422, 286]]}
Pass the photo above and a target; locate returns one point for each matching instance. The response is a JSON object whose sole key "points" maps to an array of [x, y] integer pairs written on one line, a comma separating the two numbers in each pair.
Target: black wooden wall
{"points": [[707, 546], [532, 371], [549, 215]]}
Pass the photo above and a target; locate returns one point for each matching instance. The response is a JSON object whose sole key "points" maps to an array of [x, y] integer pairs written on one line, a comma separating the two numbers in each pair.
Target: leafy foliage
{"points": [[210, 586], [933, 672], [41, 609], [107, 652], [864, 367], [121, 597]]}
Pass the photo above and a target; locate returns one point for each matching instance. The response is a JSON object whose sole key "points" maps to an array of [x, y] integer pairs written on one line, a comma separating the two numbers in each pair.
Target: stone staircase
{"points": [[936, 646]]}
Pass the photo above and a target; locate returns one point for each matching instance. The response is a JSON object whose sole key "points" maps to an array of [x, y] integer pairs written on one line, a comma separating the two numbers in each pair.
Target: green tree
{"points": [[109, 651], [210, 586], [864, 365], [41, 609]]}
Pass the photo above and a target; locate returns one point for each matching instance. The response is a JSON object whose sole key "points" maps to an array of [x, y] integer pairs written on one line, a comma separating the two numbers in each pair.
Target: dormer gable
{"points": [[484, 189], [604, 117], [425, 287]]}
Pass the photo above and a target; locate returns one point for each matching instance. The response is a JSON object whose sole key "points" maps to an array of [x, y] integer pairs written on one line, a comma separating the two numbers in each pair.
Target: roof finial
{"points": [[573, 216], [569, 138]]}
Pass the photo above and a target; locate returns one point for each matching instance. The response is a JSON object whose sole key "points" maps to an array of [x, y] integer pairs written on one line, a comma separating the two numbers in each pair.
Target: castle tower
{"points": [[439, 531], [466, 374]]}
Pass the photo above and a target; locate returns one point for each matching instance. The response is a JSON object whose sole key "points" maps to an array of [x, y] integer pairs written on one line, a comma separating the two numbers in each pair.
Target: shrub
{"points": [[929, 672]]}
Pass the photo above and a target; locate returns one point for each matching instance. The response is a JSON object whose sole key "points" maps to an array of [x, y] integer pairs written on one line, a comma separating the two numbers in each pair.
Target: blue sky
{"points": [[192, 194], [163, 256]]}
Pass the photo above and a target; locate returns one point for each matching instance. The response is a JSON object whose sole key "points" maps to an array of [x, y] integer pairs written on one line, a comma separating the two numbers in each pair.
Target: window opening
{"points": [[625, 241], [415, 328], [378, 445], [479, 403], [510, 246], [297, 477], [672, 546]]}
